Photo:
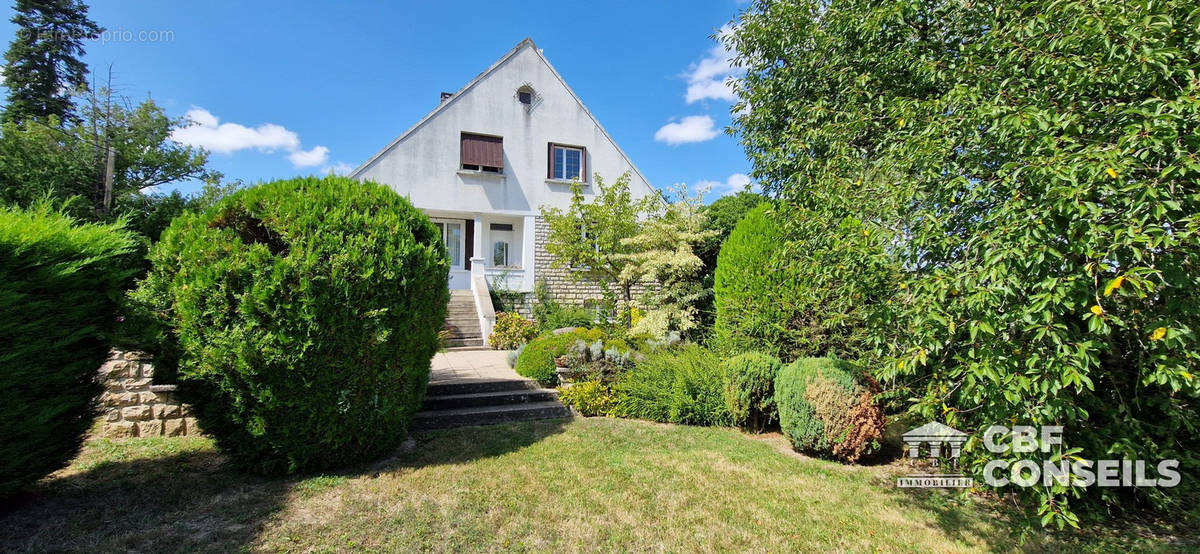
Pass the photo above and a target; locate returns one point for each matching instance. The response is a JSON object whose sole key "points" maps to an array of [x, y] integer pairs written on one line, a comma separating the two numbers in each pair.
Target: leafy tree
{"points": [[1032, 166], [592, 237], [663, 251], [43, 159], [43, 63]]}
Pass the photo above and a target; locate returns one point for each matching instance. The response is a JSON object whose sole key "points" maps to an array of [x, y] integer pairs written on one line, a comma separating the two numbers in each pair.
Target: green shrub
{"points": [[750, 389], [826, 410], [790, 284], [590, 398], [511, 331], [756, 298], [59, 289], [536, 360], [679, 385], [306, 312]]}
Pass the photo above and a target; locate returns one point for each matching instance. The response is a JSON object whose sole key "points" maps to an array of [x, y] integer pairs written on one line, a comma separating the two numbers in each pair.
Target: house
{"points": [[484, 161]]}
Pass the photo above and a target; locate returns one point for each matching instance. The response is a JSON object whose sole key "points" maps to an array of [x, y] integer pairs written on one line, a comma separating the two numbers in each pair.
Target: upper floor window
{"points": [[568, 163], [482, 153]]}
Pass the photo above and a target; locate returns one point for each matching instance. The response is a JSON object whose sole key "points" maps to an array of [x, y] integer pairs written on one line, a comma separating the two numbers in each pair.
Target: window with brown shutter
{"points": [[482, 153]]}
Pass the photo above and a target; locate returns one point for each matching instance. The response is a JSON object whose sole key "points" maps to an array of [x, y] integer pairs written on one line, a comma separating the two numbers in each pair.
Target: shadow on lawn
{"points": [[466, 444], [193, 501], [188, 501]]}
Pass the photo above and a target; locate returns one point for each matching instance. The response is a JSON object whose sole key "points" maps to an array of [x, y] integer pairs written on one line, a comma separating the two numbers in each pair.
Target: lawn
{"points": [[580, 485]]}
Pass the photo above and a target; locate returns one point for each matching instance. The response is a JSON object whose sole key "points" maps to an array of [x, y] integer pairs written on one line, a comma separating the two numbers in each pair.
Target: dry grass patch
{"points": [[583, 485]]}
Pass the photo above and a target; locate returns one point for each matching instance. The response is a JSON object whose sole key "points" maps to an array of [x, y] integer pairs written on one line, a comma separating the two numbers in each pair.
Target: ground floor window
{"points": [[452, 235], [502, 239]]}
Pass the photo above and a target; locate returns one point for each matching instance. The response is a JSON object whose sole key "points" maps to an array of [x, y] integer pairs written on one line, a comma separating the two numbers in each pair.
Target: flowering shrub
{"points": [[590, 398], [511, 331]]}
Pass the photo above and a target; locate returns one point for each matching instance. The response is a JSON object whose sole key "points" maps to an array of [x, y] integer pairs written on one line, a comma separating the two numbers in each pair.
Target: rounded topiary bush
{"points": [[750, 389], [536, 360], [306, 313], [756, 294], [60, 283], [827, 409]]}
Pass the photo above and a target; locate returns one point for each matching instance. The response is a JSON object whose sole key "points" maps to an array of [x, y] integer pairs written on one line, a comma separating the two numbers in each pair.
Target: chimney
{"points": [[446, 96]]}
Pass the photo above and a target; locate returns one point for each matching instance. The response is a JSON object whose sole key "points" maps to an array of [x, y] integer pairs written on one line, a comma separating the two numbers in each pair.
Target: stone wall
{"points": [[135, 407], [562, 284]]}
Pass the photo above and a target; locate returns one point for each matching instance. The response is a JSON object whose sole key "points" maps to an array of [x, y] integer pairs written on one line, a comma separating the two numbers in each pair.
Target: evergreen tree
{"points": [[43, 63]]}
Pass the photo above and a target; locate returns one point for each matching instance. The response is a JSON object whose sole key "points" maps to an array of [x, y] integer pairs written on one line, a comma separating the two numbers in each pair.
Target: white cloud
{"points": [[338, 168], [709, 78], [712, 89], [693, 128], [309, 158], [733, 184], [206, 131]]}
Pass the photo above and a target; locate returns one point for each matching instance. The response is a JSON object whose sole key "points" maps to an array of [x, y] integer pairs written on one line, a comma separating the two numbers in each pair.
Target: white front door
{"points": [[455, 239]]}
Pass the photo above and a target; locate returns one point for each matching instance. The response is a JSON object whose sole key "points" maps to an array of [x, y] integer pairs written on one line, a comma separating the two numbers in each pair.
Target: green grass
{"points": [[583, 485]]}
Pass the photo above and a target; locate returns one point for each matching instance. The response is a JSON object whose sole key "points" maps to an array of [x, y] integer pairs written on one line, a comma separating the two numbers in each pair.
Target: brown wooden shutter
{"points": [[482, 150], [549, 160], [470, 224]]}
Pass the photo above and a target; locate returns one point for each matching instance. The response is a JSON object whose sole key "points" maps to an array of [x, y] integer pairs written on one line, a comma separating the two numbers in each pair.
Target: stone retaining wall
{"points": [[134, 407]]}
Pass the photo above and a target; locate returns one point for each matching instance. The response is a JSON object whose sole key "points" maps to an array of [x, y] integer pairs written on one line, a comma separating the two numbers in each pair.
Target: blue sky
{"points": [[310, 86]]}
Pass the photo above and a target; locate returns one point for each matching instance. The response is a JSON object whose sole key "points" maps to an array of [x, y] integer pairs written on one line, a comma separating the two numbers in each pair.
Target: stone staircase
{"points": [[458, 404], [462, 321]]}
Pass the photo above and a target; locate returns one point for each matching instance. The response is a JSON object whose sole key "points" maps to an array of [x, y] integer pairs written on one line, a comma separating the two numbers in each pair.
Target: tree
{"points": [[663, 251], [43, 63], [40, 159], [720, 217], [1032, 168], [591, 237]]}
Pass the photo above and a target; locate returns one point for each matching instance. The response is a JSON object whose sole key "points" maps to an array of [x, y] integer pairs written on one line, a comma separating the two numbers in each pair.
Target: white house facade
{"points": [[484, 161]]}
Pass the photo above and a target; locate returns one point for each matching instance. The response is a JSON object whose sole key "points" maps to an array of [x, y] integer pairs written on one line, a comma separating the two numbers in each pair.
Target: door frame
{"points": [[462, 238]]}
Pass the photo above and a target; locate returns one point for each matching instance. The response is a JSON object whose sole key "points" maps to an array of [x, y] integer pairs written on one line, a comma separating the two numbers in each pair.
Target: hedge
{"points": [[306, 312], [750, 389], [60, 283], [825, 409]]}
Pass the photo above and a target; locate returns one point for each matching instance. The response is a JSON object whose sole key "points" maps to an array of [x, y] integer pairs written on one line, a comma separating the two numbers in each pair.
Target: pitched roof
{"points": [[526, 43]]}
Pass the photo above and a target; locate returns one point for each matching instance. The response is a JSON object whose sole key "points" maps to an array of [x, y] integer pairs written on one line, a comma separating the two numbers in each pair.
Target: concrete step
{"points": [[496, 398], [474, 348], [463, 332], [463, 329], [471, 387], [469, 343], [488, 415]]}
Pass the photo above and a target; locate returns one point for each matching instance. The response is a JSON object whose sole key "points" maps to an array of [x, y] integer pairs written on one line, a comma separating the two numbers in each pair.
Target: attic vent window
{"points": [[528, 97]]}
